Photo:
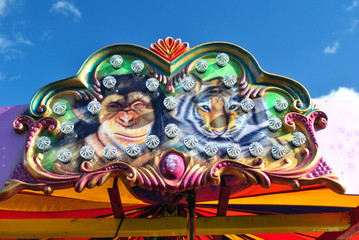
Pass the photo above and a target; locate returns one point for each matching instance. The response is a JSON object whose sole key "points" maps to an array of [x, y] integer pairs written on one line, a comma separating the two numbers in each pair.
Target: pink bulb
{"points": [[172, 166]]}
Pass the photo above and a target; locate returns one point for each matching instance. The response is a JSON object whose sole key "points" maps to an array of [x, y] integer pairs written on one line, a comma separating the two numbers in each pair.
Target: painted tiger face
{"points": [[213, 113], [218, 110]]}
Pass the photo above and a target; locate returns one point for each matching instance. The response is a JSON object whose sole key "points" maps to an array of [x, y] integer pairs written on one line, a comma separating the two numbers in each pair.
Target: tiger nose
{"points": [[126, 119], [219, 125]]}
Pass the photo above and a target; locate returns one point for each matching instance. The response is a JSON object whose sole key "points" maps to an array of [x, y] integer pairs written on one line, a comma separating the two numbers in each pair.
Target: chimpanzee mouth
{"points": [[129, 137]]}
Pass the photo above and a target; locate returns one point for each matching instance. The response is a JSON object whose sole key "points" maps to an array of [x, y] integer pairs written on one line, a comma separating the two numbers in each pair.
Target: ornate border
{"points": [[173, 60]]}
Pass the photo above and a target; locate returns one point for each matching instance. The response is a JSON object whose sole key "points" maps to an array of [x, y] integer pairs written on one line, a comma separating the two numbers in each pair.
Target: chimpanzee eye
{"points": [[138, 104], [114, 105], [205, 108]]}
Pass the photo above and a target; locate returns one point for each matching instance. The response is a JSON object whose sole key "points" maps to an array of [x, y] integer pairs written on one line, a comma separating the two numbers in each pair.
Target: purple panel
{"points": [[340, 141], [11, 144]]}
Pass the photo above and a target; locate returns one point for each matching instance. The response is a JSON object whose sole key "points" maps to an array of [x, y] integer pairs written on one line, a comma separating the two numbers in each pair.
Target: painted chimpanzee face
{"points": [[127, 118]]}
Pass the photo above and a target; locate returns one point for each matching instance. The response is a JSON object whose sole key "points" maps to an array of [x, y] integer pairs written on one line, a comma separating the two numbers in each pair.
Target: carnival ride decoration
{"points": [[176, 125]]}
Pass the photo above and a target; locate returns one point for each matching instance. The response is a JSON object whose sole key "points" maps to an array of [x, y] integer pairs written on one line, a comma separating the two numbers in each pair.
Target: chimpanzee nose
{"points": [[126, 118]]}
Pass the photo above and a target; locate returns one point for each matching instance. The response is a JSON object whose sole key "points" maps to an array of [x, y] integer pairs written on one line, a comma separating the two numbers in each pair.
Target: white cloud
{"points": [[66, 8], [354, 25], [21, 40], [4, 77], [46, 36], [11, 48], [342, 93], [332, 48], [5, 43], [354, 4], [2, 7]]}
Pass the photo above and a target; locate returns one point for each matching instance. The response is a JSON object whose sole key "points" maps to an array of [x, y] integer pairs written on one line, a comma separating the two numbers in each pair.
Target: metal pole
{"points": [[223, 199], [191, 215], [115, 199]]}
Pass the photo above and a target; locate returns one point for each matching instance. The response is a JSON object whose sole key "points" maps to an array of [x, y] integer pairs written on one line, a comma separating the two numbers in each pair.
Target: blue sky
{"points": [[313, 42]]}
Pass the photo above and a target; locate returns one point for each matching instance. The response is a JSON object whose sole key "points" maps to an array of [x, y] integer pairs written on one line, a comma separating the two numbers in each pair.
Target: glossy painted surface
{"points": [[113, 119]]}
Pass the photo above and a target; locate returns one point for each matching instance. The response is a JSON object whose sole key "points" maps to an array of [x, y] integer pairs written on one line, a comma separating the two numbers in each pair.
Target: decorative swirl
{"points": [[26, 122], [39, 111], [98, 177], [246, 173], [23, 123], [315, 119], [299, 106], [319, 119]]}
